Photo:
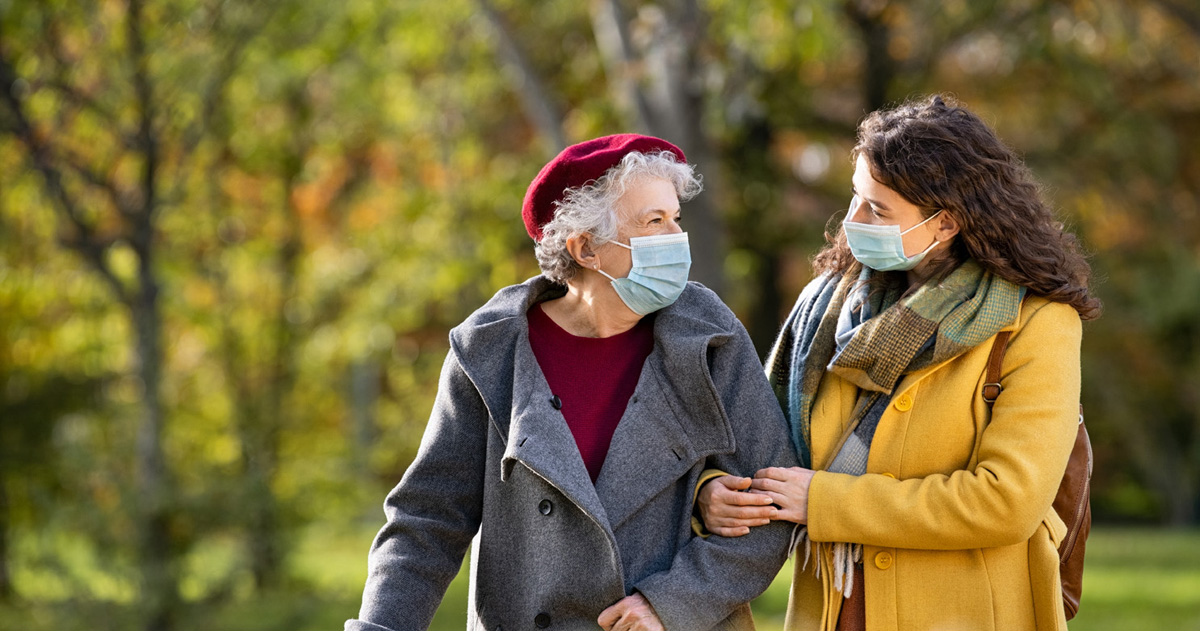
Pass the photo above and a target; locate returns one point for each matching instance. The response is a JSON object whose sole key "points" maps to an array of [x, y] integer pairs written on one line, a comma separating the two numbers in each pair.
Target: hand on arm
{"points": [[787, 488], [631, 613], [728, 512]]}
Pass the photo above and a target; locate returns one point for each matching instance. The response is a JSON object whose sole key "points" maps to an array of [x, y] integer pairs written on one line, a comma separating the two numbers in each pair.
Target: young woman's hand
{"points": [[728, 512], [788, 489]]}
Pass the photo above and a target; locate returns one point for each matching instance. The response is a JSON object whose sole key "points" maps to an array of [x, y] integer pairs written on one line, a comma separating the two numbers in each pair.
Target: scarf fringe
{"points": [[844, 557]]}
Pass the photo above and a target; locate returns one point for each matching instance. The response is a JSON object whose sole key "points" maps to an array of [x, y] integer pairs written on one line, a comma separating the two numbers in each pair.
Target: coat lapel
{"points": [[538, 436], [662, 434], [649, 451]]}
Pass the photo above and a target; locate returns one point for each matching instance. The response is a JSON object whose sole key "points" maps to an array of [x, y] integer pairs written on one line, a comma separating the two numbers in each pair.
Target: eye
{"points": [[678, 218]]}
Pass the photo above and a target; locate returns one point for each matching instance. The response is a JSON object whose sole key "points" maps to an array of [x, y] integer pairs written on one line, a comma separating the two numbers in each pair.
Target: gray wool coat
{"points": [[499, 465]]}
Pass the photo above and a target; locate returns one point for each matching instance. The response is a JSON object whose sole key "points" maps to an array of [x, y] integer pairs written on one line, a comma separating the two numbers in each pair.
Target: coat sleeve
{"points": [[710, 577], [432, 514], [1023, 452]]}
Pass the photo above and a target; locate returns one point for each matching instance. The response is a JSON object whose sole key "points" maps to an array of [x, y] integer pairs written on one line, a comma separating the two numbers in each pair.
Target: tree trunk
{"points": [[6, 589], [364, 392], [160, 596], [1181, 505], [881, 66], [266, 530], [764, 320], [540, 108]]}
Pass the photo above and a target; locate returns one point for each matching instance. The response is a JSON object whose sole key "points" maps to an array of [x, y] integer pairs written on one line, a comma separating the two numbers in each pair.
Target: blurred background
{"points": [[235, 234]]}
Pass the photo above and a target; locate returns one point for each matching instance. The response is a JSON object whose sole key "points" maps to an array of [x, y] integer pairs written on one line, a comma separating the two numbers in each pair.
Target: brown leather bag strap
{"points": [[992, 387]]}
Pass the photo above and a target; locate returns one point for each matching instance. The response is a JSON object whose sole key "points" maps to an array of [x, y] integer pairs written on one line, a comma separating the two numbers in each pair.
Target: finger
{"points": [[739, 531], [781, 500], [629, 621], [734, 482], [769, 484], [739, 498], [752, 513], [742, 523], [772, 473], [743, 513], [610, 616]]}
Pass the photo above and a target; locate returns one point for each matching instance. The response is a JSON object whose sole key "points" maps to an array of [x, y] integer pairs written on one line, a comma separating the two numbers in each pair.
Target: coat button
{"points": [[542, 620], [556, 402], [546, 507], [883, 560], [889, 475], [904, 403]]}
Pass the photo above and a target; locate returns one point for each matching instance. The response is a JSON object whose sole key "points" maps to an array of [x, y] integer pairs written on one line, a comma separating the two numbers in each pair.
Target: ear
{"points": [[581, 249], [946, 228]]}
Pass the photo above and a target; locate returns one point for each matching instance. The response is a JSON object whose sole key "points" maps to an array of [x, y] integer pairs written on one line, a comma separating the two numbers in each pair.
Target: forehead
{"points": [[648, 195], [862, 174]]}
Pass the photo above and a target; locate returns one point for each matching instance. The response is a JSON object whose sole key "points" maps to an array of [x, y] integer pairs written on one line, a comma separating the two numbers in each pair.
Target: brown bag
{"points": [[1072, 501]]}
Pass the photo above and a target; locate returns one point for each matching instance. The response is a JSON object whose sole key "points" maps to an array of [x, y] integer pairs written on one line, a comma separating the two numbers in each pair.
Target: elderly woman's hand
{"points": [[727, 511], [788, 489], [631, 613]]}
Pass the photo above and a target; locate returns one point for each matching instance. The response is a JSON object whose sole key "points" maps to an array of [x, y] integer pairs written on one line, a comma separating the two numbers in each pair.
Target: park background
{"points": [[234, 235]]}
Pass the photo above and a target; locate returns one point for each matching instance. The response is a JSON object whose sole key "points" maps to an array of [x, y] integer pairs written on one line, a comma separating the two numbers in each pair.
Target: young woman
{"points": [[923, 507]]}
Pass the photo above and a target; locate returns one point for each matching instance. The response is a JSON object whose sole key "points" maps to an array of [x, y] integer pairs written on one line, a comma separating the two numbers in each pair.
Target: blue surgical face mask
{"points": [[659, 273], [881, 248]]}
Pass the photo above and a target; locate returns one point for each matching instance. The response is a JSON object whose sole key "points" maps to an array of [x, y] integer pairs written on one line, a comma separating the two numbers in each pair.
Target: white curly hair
{"points": [[591, 208]]}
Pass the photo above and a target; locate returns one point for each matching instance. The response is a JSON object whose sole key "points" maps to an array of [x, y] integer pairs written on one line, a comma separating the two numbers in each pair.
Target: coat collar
{"points": [[674, 417]]}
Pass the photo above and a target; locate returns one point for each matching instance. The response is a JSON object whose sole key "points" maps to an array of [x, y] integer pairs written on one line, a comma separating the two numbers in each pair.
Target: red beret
{"points": [[577, 165]]}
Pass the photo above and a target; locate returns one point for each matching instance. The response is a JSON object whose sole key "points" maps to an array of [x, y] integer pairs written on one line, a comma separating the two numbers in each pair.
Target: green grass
{"points": [[1135, 579], [1141, 579]]}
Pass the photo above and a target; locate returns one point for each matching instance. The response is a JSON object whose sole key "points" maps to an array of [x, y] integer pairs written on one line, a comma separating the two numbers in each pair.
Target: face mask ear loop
{"points": [[935, 239], [614, 242], [597, 268], [922, 223], [930, 248]]}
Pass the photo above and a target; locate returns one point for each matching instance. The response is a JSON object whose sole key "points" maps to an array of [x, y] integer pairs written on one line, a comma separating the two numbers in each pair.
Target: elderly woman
{"points": [[575, 415], [930, 505]]}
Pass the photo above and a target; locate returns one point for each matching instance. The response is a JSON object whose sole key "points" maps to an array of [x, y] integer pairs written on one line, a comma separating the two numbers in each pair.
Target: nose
{"points": [[673, 226], [855, 204]]}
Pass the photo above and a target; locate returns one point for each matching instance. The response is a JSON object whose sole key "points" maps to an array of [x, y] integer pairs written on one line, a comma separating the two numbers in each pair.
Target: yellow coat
{"points": [[954, 511]]}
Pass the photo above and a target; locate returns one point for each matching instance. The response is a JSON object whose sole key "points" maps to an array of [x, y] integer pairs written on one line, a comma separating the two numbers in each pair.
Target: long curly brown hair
{"points": [[937, 155]]}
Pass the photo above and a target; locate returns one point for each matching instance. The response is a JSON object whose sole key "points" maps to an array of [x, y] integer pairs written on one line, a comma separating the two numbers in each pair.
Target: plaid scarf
{"points": [[872, 339]]}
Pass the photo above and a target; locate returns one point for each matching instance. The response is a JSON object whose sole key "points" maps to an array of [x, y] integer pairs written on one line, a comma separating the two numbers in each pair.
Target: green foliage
{"points": [[1134, 579], [340, 183]]}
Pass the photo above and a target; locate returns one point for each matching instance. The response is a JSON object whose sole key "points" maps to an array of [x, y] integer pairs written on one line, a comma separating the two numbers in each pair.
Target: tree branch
{"points": [[541, 109], [876, 35], [85, 241], [1189, 17], [85, 102], [609, 26], [214, 92], [147, 139], [78, 166]]}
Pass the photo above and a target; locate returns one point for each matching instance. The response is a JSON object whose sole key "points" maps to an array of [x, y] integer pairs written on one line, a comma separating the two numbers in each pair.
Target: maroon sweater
{"points": [[593, 377]]}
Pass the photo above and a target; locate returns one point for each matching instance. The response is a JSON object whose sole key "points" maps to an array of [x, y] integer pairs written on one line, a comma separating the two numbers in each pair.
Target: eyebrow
{"points": [[660, 210], [877, 204], [873, 202]]}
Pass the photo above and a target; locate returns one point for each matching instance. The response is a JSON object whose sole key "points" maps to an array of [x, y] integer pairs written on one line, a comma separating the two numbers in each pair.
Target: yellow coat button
{"points": [[883, 560], [889, 475], [904, 403]]}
